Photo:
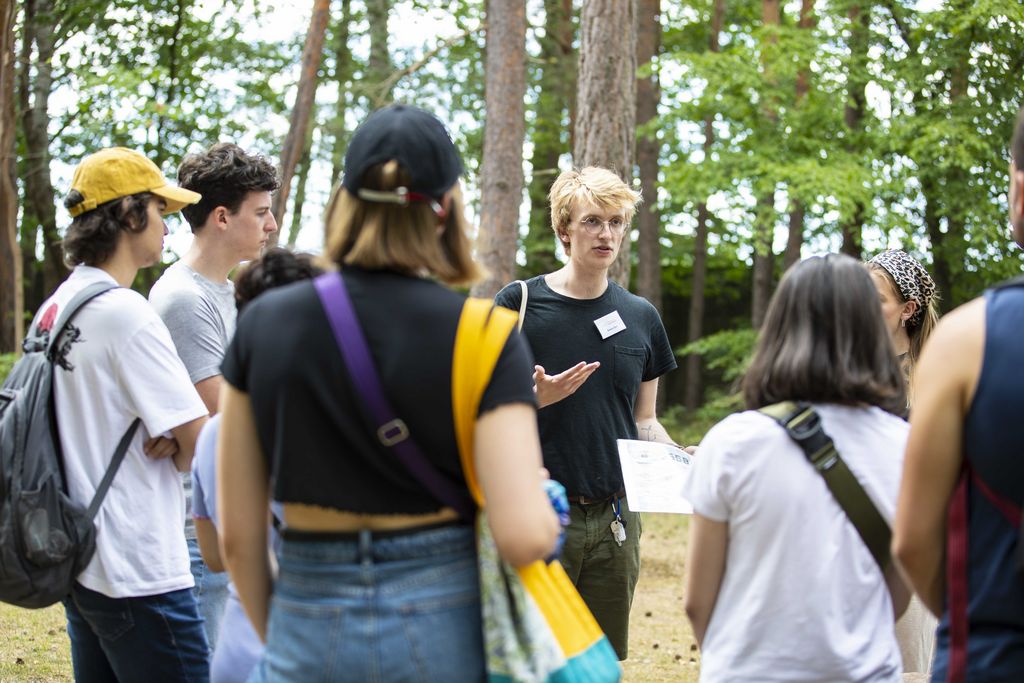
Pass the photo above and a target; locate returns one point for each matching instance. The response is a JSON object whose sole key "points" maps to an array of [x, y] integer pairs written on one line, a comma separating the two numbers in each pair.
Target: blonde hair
{"points": [[406, 238], [917, 334], [593, 184]]}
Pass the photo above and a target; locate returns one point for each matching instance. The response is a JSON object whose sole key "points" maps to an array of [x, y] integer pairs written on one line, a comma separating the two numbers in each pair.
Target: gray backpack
{"points": [[46, 540]]}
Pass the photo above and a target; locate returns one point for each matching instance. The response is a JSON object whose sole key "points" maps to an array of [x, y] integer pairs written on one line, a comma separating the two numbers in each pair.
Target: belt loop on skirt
{"points": [[365, 546]]}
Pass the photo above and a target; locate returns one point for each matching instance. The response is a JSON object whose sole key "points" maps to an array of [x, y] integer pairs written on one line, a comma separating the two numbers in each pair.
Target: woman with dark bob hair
{"points": [[378, 579], [780, 585]]}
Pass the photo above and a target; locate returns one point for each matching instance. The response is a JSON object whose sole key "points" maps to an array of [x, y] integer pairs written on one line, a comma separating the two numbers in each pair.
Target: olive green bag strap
{"points": [[803, 424]]}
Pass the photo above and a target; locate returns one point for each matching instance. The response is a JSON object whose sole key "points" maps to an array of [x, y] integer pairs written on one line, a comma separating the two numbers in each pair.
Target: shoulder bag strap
{"points": [[522, 304], [392, 432], [483, 331], [803, 424]]}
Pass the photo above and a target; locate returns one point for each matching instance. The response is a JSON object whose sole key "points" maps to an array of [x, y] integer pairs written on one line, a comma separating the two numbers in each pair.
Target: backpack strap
{"points": [[71, 309], [115, 464], [803, 424], [63, 319]]}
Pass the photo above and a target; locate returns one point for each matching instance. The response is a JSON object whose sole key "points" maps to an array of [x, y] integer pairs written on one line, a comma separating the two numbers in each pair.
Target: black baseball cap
{"points": [[420, 144]]}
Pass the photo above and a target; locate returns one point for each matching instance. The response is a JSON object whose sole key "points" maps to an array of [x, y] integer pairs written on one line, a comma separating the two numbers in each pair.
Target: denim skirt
{"points": [[376, 607]]}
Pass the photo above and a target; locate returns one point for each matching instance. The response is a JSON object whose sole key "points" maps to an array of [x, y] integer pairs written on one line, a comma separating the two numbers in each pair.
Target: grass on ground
{"points": [[34, 644]]}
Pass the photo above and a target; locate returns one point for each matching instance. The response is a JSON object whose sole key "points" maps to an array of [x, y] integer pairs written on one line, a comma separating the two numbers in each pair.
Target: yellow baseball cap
{"points": [[119, 172]]}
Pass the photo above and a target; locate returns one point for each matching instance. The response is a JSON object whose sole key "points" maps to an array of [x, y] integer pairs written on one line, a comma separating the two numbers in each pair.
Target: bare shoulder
{"points": [[953, 355]]}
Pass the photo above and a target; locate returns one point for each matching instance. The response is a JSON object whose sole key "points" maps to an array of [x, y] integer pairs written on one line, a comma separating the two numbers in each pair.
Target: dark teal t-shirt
{"points": [[579, 433]]}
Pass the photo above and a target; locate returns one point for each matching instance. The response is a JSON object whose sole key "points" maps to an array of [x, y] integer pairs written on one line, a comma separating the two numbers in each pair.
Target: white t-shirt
{"points": [[802, 599], [123, 365]]}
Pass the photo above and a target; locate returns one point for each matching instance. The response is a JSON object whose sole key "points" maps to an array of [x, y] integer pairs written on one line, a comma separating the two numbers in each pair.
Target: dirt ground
{"points": [[34, 644]]}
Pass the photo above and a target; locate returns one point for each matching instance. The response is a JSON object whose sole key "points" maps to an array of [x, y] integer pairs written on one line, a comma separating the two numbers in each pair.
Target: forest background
{"points": [[757, 130]]}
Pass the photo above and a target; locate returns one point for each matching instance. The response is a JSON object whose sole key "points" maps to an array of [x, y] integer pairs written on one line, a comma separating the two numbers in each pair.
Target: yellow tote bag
{"points": [[536, 625]]}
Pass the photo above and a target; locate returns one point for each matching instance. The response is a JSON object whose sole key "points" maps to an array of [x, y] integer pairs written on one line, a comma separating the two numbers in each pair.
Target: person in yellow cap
{"points": [[131, 614]]}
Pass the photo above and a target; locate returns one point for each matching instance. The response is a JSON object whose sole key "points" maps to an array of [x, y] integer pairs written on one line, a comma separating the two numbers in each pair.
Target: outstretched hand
{"points": [[553, 388]]}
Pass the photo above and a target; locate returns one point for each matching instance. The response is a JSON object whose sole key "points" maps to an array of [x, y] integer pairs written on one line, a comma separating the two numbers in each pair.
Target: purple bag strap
{"points": [[392, 432]]}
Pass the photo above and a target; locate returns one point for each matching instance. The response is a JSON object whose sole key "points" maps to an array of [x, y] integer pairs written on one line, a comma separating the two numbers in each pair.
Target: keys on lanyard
{"points": [[618, 525]]}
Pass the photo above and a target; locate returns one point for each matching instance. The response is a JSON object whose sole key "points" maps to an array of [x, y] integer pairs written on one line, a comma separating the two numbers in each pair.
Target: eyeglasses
{"points": [[595, 225]]}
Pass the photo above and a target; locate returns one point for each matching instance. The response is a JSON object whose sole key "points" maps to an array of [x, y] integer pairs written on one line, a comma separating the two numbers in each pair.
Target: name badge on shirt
{"points": [[610, 324]]}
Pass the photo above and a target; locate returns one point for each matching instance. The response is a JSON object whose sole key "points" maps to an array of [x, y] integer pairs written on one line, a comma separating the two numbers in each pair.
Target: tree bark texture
{"points": [[557, 90], [171, 57], [852, 225], [648, 93], [378, 67], [695, 326], [606, 98], [11, 291], [501, 172], [764, 257], [294, 142], [342, 74], [300, 191], [764, 219], [798, 211], [36, 82]]}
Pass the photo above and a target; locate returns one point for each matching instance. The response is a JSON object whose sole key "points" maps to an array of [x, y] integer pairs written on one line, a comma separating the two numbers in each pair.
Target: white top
{"points": [[122, 365], [802, 599]]}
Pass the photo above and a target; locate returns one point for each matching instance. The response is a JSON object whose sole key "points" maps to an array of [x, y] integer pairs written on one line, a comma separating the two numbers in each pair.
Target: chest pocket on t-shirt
{"points": [[629, 369]]}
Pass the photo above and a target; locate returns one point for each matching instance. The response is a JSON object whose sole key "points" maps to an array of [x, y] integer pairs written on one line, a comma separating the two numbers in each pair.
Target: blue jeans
{"points": [[152, 638], [376, 608], [211, 591]]}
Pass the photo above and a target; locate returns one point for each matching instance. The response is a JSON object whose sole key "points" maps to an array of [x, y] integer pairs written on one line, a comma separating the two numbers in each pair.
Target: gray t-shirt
{"points": [[200, 315]]}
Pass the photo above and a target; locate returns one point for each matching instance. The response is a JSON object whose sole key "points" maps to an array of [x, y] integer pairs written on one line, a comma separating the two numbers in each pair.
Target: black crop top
{"points": [[315, 431]]}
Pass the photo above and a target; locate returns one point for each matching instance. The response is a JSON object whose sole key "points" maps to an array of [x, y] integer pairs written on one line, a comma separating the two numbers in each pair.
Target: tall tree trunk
{"points": [[695, 326], [648, 93], [501, 172], [342, 74], [158, 151], [296, 138], [606, 98], [39, 210], [764, 257], [856, 78], [764, 219], [378, 68], [11, 291], [795, 239], [557, 88], [300, 191]]}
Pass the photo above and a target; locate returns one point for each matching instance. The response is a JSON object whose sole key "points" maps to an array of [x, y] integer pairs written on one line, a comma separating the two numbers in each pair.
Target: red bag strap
{"points": [[956, 563], [956, 579]]}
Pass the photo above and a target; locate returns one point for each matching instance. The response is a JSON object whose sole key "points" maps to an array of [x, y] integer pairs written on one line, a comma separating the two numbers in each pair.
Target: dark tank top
{"points": [[994, 447]]}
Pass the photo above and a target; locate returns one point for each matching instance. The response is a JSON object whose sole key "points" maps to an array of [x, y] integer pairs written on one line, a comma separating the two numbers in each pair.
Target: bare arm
{"points": [[945, 378], [705, 567], [186, 436], [209, 391], [644, 413], [508, 462], [243, 499], [209, 546]]}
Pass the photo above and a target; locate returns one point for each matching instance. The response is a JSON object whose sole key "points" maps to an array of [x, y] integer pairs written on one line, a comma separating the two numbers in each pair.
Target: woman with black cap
{"points": [[378, 579]]}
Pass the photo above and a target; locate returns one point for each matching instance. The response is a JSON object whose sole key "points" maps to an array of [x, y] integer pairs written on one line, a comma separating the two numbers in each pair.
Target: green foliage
{"points": [[7, 361], [729, 351]]}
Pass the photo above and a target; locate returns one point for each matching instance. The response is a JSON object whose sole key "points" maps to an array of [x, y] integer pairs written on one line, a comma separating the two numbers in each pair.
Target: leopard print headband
{"points": [[913, 281]]}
